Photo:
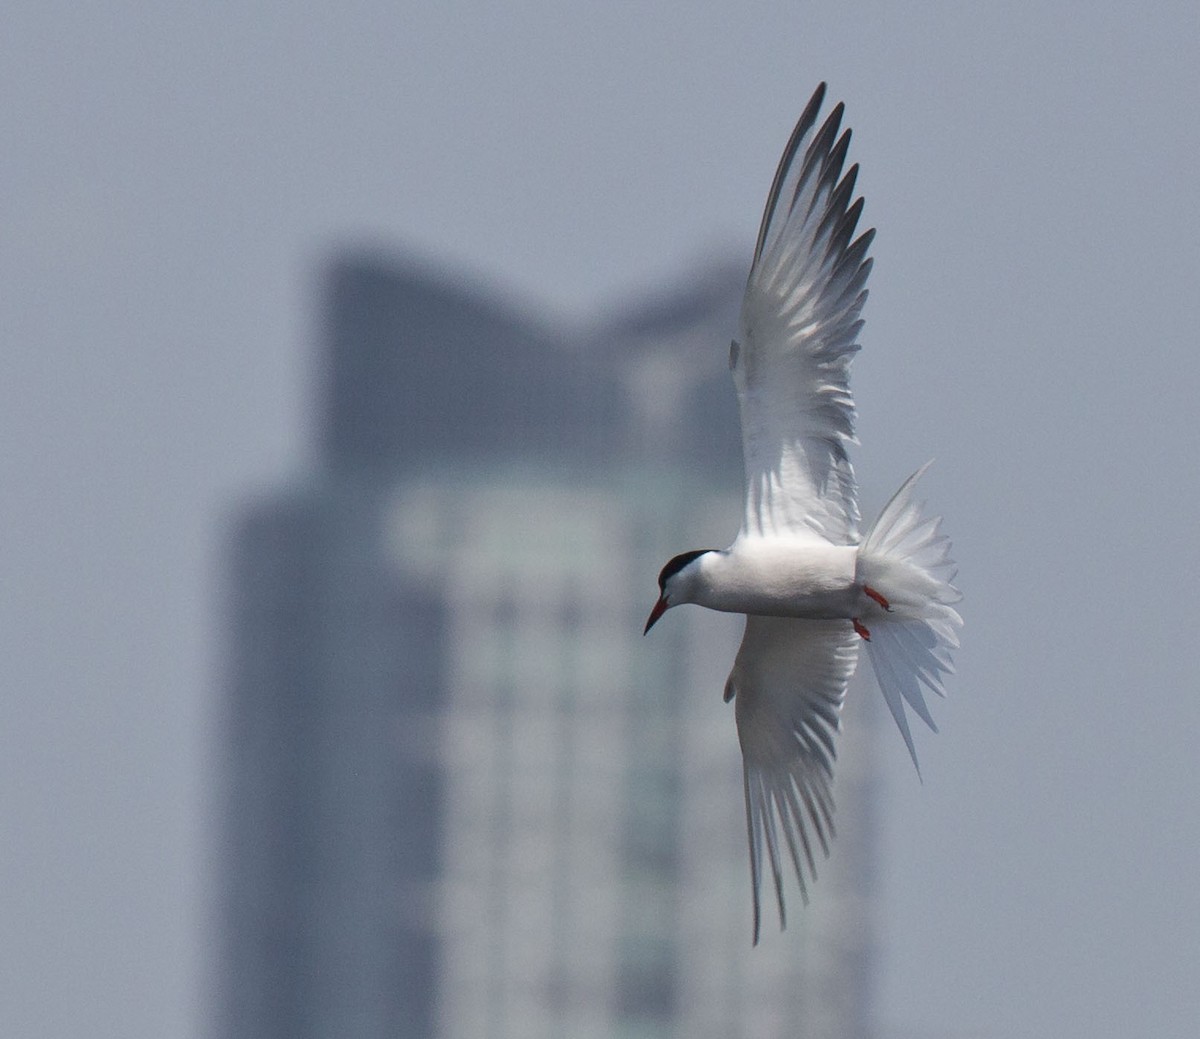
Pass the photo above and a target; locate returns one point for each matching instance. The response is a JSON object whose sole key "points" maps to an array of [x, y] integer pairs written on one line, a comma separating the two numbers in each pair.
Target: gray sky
{"points": [[173, 176]]}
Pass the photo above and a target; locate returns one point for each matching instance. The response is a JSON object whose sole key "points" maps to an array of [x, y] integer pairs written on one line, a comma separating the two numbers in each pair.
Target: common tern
{"points": [[812, 588]]}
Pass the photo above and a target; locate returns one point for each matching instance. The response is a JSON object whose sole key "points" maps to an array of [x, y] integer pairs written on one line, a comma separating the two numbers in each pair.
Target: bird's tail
{"points": [[906, 559]]}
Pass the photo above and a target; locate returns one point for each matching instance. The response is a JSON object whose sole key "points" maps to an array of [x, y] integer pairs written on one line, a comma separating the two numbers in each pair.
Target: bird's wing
{"points": [[789, 680], [799, 327]]}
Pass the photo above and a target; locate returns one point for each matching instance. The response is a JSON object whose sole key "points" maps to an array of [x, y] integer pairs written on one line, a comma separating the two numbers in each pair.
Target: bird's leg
{"points": [[862, 632], [871, 593]]}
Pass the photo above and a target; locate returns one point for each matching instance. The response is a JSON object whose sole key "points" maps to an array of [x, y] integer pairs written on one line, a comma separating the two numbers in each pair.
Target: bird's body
{"points": [[812, 587], [776, 577]]}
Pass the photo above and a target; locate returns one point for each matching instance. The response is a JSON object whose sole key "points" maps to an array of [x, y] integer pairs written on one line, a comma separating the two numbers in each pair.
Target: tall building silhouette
{"points": [[463, 796]]}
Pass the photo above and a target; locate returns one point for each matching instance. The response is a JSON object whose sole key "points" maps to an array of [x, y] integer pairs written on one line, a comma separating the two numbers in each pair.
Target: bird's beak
{"points": [[660, 608]]}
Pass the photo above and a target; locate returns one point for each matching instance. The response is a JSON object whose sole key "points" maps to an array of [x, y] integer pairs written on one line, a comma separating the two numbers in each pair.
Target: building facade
{"points": [[464, 796]]}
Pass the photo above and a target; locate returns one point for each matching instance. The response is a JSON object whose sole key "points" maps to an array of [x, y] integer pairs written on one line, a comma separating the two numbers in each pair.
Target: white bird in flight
{"points": [[811, 586]]}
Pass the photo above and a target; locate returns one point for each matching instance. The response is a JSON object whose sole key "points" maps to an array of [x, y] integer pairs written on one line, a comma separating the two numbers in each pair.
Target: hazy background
{"points": [[172, 178]]}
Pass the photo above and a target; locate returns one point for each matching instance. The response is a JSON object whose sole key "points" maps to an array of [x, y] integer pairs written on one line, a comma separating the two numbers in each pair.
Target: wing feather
{"points": [[789, 681], [799, 330]]}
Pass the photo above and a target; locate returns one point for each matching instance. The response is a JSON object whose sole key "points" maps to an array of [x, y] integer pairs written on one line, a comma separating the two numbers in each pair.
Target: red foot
{"points": [[862, 632], [869, 591]]}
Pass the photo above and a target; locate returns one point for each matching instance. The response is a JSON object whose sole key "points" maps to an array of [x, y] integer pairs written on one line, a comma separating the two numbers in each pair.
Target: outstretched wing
{"points": [[799, 326], [789, 679]]}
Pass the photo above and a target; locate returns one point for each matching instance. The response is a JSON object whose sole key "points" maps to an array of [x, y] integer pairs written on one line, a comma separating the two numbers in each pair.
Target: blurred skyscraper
{"points": [[464, 797]]}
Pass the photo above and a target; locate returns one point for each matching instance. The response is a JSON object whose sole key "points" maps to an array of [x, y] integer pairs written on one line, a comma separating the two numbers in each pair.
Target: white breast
{"points": [[779, 577]]}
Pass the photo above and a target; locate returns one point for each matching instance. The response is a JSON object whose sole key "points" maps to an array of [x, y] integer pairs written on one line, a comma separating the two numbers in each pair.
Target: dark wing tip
{"points": [[803, 125]]}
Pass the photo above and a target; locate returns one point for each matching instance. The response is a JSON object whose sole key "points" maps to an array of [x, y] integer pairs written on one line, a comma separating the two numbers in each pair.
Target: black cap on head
{"points": [[678, 563]]}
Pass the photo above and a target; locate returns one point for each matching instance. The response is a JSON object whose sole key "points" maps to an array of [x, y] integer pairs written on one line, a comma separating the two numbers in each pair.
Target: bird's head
{"points": [[675, 583]]}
